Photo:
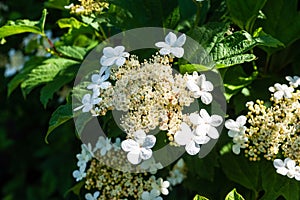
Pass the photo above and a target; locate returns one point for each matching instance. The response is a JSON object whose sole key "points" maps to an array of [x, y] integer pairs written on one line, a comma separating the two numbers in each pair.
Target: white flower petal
{"points": [[134, 157], [180, 41], [184, 136], [129, 145], [149, 141], [145, 154], [206, 98], [213, 133], [236, 149], [282, 170], [108, 52], [277, 163], [171, 38], [291, 164], [120, 61], [164, 51], [107, 61], [231, 125], [232, 133], [164, 191], [201, 139], [192, 148], [162, 45], [216, 120], [177, 51], [87, 108], [118, 50], [241, 120], [195, 118], [204, 114]]}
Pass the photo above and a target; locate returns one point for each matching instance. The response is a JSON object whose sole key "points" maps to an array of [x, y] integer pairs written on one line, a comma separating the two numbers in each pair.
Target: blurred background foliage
{"points": [[32, 169]]}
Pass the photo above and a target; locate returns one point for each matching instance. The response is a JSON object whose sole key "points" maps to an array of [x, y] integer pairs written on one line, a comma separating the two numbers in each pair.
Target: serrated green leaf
{"points": [[45, 73], [233, 195], [266, 40], [23, 26], [244, 12], [72, 51], [61, 115], [235, 60], [198, 197], [173, 19]]}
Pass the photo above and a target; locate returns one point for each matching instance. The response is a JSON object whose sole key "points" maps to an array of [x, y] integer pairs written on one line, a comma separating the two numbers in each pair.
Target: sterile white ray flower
{"points": [[139, 148], [89, 196], [114, 56], [281, 90], [201, 87], [88, 102], [172, 45], [293, 81]]}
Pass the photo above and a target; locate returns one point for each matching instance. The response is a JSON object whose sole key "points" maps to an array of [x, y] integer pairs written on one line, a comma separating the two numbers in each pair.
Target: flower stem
{"points": [[199, 6]]}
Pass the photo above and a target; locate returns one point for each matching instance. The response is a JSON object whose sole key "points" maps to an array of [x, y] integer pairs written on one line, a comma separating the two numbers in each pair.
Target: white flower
{"points": [[69, 6], [239, 142], [200, 87], [88, 102], [99, 81], [293, 81], [152, 195], [85, 155], [79, 174], [281, 91], [151, 165], [237, 132], [113, 56], [172, 45], [163, 186], [186, 137], [205, 124], [89, 196], [104, 145], [287, 168], [140, 148], [236, 127], [16, 62]]}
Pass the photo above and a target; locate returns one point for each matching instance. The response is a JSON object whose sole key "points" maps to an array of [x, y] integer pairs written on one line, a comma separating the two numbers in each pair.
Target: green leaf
{"points": [[282, 20], [240, 170], [60, 80], [72, 51], [244, 12], [198, 197], [265, 39], [233, 195], [188, 68], [235, 60], [235, 79], [45, 73], [23, 26], [173, 19], [61, 115]]}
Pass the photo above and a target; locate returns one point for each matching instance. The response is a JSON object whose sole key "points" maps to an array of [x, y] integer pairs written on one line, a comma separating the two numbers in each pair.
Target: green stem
{"points": [[266, 68], [102, 32]]}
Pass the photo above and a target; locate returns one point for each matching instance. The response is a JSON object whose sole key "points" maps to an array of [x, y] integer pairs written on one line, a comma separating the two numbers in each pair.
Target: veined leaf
{"points": [[45, 73], [72, 51], [60, 80], [233, 195], [235, 60], [61, 115], [23, 26]]}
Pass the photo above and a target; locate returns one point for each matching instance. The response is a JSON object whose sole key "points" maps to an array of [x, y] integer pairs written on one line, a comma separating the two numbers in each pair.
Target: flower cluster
{"points": [[87, 7], [98, 166], [271, 131], [152, 99]]}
